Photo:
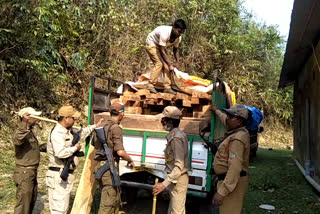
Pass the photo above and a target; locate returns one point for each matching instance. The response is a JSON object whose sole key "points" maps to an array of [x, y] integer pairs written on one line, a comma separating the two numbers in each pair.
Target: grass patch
{"points": [[7, 187], [276, 180]]}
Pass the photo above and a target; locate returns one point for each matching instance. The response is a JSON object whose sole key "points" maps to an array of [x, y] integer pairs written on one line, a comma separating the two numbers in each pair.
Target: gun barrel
{"points": [[100, 133]]}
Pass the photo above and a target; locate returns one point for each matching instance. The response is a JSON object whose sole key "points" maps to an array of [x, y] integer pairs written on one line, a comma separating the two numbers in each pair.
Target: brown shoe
{"points": [[169, 90], [152, 90]]}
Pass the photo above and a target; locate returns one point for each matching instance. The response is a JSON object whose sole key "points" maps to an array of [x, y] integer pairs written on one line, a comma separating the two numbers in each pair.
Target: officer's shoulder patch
{"points": [[232, 156]]}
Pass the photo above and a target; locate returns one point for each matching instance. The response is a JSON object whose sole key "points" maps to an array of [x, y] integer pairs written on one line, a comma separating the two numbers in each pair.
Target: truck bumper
{"points": [[198, 194]]}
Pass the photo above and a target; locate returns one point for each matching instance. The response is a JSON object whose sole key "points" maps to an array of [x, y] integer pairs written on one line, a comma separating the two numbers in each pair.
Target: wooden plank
{"points": [[129, 103], [152, 96], [167, 96], [133, 98], [194, 100], [137, 104], [87, 185], [134, 110], [206, 108], [142, 92], [123, 99], [160, 102], [197, 114], [147, 111], [149, 122], [128, 93], [202, 95], [149, 101], [186, 103], [182, 96]]}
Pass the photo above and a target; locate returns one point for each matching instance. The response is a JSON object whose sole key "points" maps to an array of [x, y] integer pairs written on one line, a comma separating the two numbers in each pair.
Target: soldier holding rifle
{"points": [[59, 148], [109, 180]]}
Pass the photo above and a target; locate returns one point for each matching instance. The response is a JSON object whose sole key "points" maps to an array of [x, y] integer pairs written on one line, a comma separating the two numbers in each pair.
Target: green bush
{"points": [[48, 49]]}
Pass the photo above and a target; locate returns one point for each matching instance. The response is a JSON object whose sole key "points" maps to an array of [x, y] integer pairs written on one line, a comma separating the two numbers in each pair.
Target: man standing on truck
{"points": [[27, 151], [59, 148], [231, 161], [156, 43], [110, 196], [177, 161]]}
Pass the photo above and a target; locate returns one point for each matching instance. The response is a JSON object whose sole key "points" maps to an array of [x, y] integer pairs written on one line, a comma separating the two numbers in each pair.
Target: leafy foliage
{"points": [[48, 49]]}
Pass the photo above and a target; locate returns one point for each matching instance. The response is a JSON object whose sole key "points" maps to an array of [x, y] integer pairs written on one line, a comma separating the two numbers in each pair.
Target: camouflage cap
{"points": [[237, 110], [68, 111], [29, 110], [170, 112]]}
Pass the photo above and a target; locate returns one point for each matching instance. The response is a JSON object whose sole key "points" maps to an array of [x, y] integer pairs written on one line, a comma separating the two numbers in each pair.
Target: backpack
{"points": [[255, 118]]}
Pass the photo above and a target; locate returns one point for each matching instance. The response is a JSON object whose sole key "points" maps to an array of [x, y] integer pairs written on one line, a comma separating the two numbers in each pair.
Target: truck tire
{"points": [[129, 195], [201, 206], [208, 209]]}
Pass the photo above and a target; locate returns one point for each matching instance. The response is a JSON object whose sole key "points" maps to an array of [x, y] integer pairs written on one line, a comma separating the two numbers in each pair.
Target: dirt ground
{"points": [[276, 136]]}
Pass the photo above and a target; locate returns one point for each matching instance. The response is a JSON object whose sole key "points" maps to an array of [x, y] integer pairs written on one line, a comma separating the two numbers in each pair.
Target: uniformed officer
{"points": [[231, 161], [110, 196], [177, 161], [27, 159], [59, 148]]}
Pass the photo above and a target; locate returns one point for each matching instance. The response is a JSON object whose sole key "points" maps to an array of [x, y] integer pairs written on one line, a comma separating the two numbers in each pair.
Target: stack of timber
{"points": [[146, 103], [142, 106]]}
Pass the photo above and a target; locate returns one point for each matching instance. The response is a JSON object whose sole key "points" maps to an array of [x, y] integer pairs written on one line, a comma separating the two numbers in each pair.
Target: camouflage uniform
{"points": [[27, 152]]}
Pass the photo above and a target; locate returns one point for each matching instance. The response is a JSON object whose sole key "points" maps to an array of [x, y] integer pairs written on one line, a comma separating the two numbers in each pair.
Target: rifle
{"points": [[212, 146], [107, 154], [70, 160]]}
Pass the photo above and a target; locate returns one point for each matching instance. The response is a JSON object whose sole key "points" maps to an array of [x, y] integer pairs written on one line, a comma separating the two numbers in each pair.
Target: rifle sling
{"points": [[106, 166]]}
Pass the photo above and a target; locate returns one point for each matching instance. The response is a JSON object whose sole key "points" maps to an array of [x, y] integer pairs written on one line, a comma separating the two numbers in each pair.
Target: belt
{"points": [[185, 173], [223, 176], [57, 169], [28, 167]]}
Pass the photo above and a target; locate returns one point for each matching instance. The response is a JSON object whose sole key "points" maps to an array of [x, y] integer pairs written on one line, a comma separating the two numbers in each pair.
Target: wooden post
{"points": [[49, 120], [154, 205], [87, 185]]}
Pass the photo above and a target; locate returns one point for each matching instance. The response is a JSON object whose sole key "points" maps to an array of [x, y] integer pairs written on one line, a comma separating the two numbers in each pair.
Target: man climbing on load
{"points": [[157, 42]]}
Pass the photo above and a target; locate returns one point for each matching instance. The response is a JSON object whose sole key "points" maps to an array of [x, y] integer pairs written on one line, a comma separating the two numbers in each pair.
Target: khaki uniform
{"points": [[232, 160], [27, 152], [177, 166], [60, 147], [110, 196], [159, 67]]}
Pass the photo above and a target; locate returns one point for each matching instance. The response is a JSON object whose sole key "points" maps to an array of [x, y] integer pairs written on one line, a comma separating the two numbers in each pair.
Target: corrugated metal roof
{"points": [[304, 32]]}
